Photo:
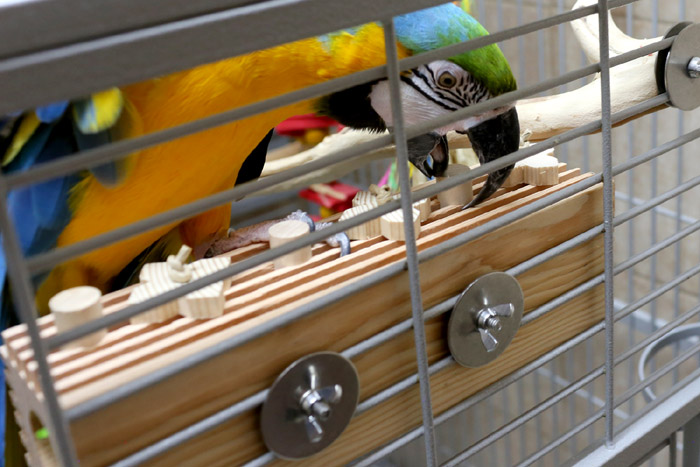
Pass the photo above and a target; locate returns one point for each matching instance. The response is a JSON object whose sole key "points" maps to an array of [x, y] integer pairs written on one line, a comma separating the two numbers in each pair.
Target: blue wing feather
{"points": [[52, 112]]}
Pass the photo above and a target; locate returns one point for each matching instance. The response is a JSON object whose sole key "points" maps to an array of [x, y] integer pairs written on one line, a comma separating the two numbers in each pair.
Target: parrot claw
{"points": [[340, 239], [300, 215]]}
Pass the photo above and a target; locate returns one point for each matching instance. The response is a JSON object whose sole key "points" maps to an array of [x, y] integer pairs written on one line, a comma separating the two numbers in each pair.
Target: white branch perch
{"points": [[631, 83]]}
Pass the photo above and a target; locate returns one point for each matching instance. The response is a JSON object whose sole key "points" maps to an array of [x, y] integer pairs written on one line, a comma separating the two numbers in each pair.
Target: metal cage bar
{"points": [[63, 48]]}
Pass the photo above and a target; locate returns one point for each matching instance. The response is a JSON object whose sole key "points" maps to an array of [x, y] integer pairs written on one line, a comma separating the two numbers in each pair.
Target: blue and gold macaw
{"points": [[68, 209], [72, 208]]}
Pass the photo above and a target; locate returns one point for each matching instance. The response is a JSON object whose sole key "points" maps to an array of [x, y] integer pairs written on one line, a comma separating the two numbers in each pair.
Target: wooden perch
{"points": [[631, 83]]}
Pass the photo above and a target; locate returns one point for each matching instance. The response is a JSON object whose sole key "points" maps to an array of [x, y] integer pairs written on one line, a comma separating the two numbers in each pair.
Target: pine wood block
{"points": [[392, 225], [134, 422], [396, 359], [284, 232], [540, 170], [363, 231], [459, 195]]}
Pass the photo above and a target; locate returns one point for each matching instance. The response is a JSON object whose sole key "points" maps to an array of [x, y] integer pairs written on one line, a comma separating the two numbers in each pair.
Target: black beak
{"points": [[431, 144], [492, 139]]}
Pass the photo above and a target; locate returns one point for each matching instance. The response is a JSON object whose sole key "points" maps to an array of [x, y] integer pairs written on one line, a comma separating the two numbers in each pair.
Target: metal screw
{"points": [[315, 403], [488, 319], [694, 67]]}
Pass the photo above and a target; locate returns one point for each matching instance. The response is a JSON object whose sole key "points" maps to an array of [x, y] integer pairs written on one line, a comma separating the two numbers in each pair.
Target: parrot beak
{"points": [[431, 144], [492, 139]]}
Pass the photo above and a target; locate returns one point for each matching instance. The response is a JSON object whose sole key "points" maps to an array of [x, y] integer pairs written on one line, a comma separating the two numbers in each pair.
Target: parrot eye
{"points": [[447, 79]]}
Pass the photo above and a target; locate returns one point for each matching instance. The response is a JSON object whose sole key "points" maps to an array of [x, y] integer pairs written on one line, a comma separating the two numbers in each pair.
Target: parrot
{"points": [[68, 209]]}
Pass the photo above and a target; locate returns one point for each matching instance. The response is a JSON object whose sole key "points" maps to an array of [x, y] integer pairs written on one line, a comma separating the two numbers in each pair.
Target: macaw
{"points": [[68, 209]]}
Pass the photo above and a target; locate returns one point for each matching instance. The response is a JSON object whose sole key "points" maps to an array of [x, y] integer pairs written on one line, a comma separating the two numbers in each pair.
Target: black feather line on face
{"points": [[435, 88], [426, 95]]}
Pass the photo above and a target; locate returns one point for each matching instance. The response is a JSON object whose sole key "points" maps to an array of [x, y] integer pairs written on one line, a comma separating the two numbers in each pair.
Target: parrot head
{"points": [[438, 88]]}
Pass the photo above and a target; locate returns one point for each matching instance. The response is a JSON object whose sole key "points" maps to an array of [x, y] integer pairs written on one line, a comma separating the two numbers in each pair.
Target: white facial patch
{"points": [[416, 108], [430, 94]]}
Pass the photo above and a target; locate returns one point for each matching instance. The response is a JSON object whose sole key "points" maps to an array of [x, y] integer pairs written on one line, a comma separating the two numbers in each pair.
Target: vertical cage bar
{"points": [[585, 145], [679, 205], [23, 297], [561, 36], [673, 449], [570, 363], [540, 43], [520, 390], [481, 9], [508, 439], [538, 419], [653, 215], [555, 408], [392, 62], [691, 446], [631, 321], [609, 213], [521, 46]]}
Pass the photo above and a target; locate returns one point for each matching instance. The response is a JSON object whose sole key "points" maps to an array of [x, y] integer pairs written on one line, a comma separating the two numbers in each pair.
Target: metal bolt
{"points": [[315, 403], [487, 319], [493, 323], [694, 67], [321, 410]]}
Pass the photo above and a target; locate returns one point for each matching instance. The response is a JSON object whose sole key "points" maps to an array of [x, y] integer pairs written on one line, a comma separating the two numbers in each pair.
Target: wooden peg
{"points": [[76, 306], [459, 195], [178, 270], [284, 232], [392, 225], [363, 231], [539, 170]]}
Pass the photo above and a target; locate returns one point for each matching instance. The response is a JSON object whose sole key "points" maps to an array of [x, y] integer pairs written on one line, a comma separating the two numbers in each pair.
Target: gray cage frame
{"points": [[80, 50]]}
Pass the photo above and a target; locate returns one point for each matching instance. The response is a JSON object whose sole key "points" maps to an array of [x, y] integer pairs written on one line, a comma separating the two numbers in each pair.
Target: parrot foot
{"points": [[258, 233]]}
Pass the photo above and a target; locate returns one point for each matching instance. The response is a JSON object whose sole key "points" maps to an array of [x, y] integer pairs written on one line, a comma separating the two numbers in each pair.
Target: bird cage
{"points": [[554, 323]]}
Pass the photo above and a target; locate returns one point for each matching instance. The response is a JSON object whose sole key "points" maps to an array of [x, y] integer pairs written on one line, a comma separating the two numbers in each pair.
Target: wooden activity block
{"points": [[539, 170], [459, 195], [284, 232], [76, 306], [263, 295], [392, 225], [363, 231], [158, 278]]}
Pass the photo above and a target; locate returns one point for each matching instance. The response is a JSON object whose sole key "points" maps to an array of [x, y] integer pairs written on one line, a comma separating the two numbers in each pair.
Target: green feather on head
{"points": [[448, 24]]}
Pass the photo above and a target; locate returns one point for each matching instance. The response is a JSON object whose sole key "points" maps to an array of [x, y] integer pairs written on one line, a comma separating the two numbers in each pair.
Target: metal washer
{"points": [[284, 432], [463, 338], [683, 91]]}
